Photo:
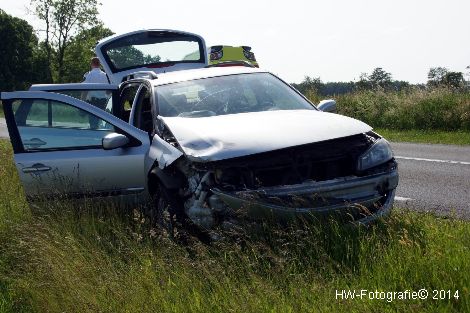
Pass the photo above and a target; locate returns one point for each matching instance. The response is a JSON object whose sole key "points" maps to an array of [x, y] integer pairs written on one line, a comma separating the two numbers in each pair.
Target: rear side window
{"points": [[46, 125]]}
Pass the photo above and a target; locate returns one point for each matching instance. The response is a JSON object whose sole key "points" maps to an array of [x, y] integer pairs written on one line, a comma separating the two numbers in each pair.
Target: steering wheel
{"points": [[220, 106]]}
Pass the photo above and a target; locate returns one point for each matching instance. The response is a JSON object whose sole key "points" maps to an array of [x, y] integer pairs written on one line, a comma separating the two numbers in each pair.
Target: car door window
{"points": [[34, 116], [51, 125], [102, 99]]}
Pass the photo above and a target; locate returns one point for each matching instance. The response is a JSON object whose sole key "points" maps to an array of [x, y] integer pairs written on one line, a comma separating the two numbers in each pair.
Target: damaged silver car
{"points": [[212, 145]]}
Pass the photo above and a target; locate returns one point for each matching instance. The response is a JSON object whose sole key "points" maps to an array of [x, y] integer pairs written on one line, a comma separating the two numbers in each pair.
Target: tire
{"points": [[167, 211], [168, 214]]}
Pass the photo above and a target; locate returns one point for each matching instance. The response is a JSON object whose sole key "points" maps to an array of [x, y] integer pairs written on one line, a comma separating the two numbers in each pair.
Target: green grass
{"points": [[100, 259], [426, 136]]}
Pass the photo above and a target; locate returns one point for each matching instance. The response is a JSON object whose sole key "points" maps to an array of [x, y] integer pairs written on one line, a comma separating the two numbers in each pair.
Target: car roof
{"points": [[180, 76], [72, 86]]}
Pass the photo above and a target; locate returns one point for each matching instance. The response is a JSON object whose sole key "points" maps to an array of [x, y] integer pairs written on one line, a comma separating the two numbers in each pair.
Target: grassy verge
{"points": [[429, 109], [98, 259], [426, 136], [435, 115]]}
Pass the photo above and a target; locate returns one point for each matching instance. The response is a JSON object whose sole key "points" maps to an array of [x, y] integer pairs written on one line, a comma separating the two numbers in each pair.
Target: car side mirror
{"points": [[114, 140], [327, 106]]}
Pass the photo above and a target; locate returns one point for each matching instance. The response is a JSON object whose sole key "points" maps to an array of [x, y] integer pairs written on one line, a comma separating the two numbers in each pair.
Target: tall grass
{"points": [[430, 109], [96, 258]]}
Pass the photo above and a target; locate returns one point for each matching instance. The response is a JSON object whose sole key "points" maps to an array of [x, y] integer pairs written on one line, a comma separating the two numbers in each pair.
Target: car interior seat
{"points": [[126, 114]]}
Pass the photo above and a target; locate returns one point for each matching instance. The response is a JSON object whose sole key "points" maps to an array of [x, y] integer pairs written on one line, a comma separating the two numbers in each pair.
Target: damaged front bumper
{"points": [[362, 199]]}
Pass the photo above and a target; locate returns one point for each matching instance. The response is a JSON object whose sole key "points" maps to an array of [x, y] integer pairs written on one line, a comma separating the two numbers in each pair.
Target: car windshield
{"points": [[231, 94], [152, 48]]}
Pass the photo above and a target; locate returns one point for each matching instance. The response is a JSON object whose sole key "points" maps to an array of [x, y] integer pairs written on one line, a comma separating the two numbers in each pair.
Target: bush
{"points": [[434, 109]]}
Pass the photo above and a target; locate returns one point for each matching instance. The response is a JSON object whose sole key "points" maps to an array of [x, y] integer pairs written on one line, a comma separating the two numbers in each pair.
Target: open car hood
{"points": [[153, 50], [234, 135]]}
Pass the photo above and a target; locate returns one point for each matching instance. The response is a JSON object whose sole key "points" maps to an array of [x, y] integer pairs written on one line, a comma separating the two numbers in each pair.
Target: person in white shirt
{"points": [[98, 98], [96, 75]]}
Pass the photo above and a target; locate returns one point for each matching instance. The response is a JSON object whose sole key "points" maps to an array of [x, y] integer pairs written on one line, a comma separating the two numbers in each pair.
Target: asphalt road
{"points": [[433, 178]]}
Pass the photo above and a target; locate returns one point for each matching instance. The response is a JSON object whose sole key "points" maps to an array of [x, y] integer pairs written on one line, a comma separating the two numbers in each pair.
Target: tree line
{"points": [[379, 79]]}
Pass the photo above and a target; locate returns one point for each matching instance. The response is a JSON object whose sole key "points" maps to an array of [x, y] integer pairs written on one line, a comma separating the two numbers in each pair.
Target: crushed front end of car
{"points": [[352, 178], [248, 146]]}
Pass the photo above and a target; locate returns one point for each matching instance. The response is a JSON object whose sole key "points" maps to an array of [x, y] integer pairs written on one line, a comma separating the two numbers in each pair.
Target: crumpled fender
{"points": [[161, 152]]}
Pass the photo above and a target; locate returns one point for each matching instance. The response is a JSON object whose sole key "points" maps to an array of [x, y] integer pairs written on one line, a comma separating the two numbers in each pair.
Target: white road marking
{"points": [[403, 199], [433, 160]]}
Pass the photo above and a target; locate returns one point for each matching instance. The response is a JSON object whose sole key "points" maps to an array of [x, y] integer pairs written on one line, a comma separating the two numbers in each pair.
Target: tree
{"points": [[436, 75], [364, 83], [337, 88], [128, 56], [380, 78], [441, 76], [454, 79], [20, 55], [80, 51], [63, 20], [400, 85], [312, 84], [43, 12]]}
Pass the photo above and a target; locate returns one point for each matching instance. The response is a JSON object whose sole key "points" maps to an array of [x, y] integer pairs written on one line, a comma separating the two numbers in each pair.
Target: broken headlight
{"points": [[379, 153]]}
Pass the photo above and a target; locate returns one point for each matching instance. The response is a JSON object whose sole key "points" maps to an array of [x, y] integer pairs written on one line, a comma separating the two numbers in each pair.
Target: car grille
{"points": [[318, 162]]}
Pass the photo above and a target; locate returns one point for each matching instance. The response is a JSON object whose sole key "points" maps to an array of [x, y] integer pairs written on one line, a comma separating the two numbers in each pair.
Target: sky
{"points": [[335, 40]]}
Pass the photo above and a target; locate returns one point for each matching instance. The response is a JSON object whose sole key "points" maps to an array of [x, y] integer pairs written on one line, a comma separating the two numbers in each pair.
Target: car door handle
{"points": [[36, 168], [34, 142]]}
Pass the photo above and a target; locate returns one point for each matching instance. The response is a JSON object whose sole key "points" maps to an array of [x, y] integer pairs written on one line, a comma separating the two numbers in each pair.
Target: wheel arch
{"points": [[170, 178]]}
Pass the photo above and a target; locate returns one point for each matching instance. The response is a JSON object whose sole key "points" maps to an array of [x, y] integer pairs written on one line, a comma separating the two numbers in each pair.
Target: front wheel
{"points": [[166, 211]]}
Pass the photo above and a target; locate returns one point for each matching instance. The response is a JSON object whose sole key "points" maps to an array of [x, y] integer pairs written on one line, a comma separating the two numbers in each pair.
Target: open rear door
{"points": [[158, 51]]}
